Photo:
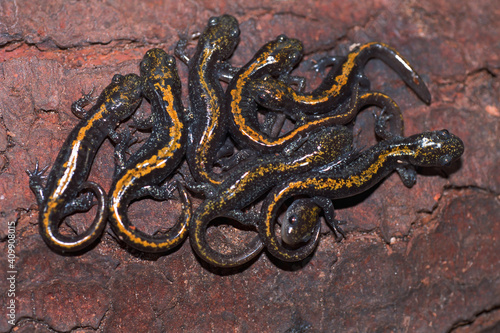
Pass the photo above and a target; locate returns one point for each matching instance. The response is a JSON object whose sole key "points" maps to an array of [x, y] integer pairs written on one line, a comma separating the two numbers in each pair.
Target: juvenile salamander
{"points": [[67, 179], [157, 158], [438, 148], [337, 85], [208, 126], [267, 143]]}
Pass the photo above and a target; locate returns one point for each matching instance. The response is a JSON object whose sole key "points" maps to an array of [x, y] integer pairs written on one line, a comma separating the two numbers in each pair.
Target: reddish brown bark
{"points": [[425, 259]]}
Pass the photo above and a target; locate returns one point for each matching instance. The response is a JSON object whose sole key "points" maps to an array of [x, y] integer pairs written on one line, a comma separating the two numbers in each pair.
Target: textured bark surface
{"points": [[425, 259]]}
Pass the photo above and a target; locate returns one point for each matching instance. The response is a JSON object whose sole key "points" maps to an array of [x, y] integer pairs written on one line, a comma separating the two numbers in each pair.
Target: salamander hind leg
{"points": [[381, 120], [334, 61], [164, 192], [123, 143], [80, 204]]}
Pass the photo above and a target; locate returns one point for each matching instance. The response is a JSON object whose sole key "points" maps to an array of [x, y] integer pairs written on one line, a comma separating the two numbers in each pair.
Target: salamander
{"points": [[276, 58], [67, 179], [242, 92], [428, 149], [268, 143], [249, 181], [141, 175], [337, 85], [301, 218], [208, 126]]}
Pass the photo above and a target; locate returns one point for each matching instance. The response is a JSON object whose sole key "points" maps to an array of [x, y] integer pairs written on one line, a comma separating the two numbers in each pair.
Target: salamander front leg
{"points": [[36, 178], [180, 48], [299, 81], [78, 106], [408, 175], [406, 172], [227, 72]]}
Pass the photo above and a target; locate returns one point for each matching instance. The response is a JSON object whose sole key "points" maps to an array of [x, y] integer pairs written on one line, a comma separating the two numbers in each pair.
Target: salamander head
{"points": [[222, 34], [301, 219], [438, 148], [122, 95], [277, 57], [158, 65], [281, 55]]}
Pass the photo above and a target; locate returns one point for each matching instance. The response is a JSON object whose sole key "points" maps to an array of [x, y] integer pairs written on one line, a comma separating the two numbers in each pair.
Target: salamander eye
{"points": [[294, 57], [292, 220], [445, 160], [170, 61], [213, 21], [234, 33], [444, 134], [145, 63], [117, 78], [261, 97], [281, 38]]}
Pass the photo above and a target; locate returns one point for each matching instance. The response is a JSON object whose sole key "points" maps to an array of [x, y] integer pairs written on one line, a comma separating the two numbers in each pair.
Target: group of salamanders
{"points": [[238, 152], [142, 175]]}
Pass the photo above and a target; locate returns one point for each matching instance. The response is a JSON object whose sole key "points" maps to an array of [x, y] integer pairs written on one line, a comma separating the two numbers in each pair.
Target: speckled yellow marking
{"points": [[209, 95], [333, 184], [260, 139], [155, 162], [340, 80], [246, 181], [54, 202]]}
